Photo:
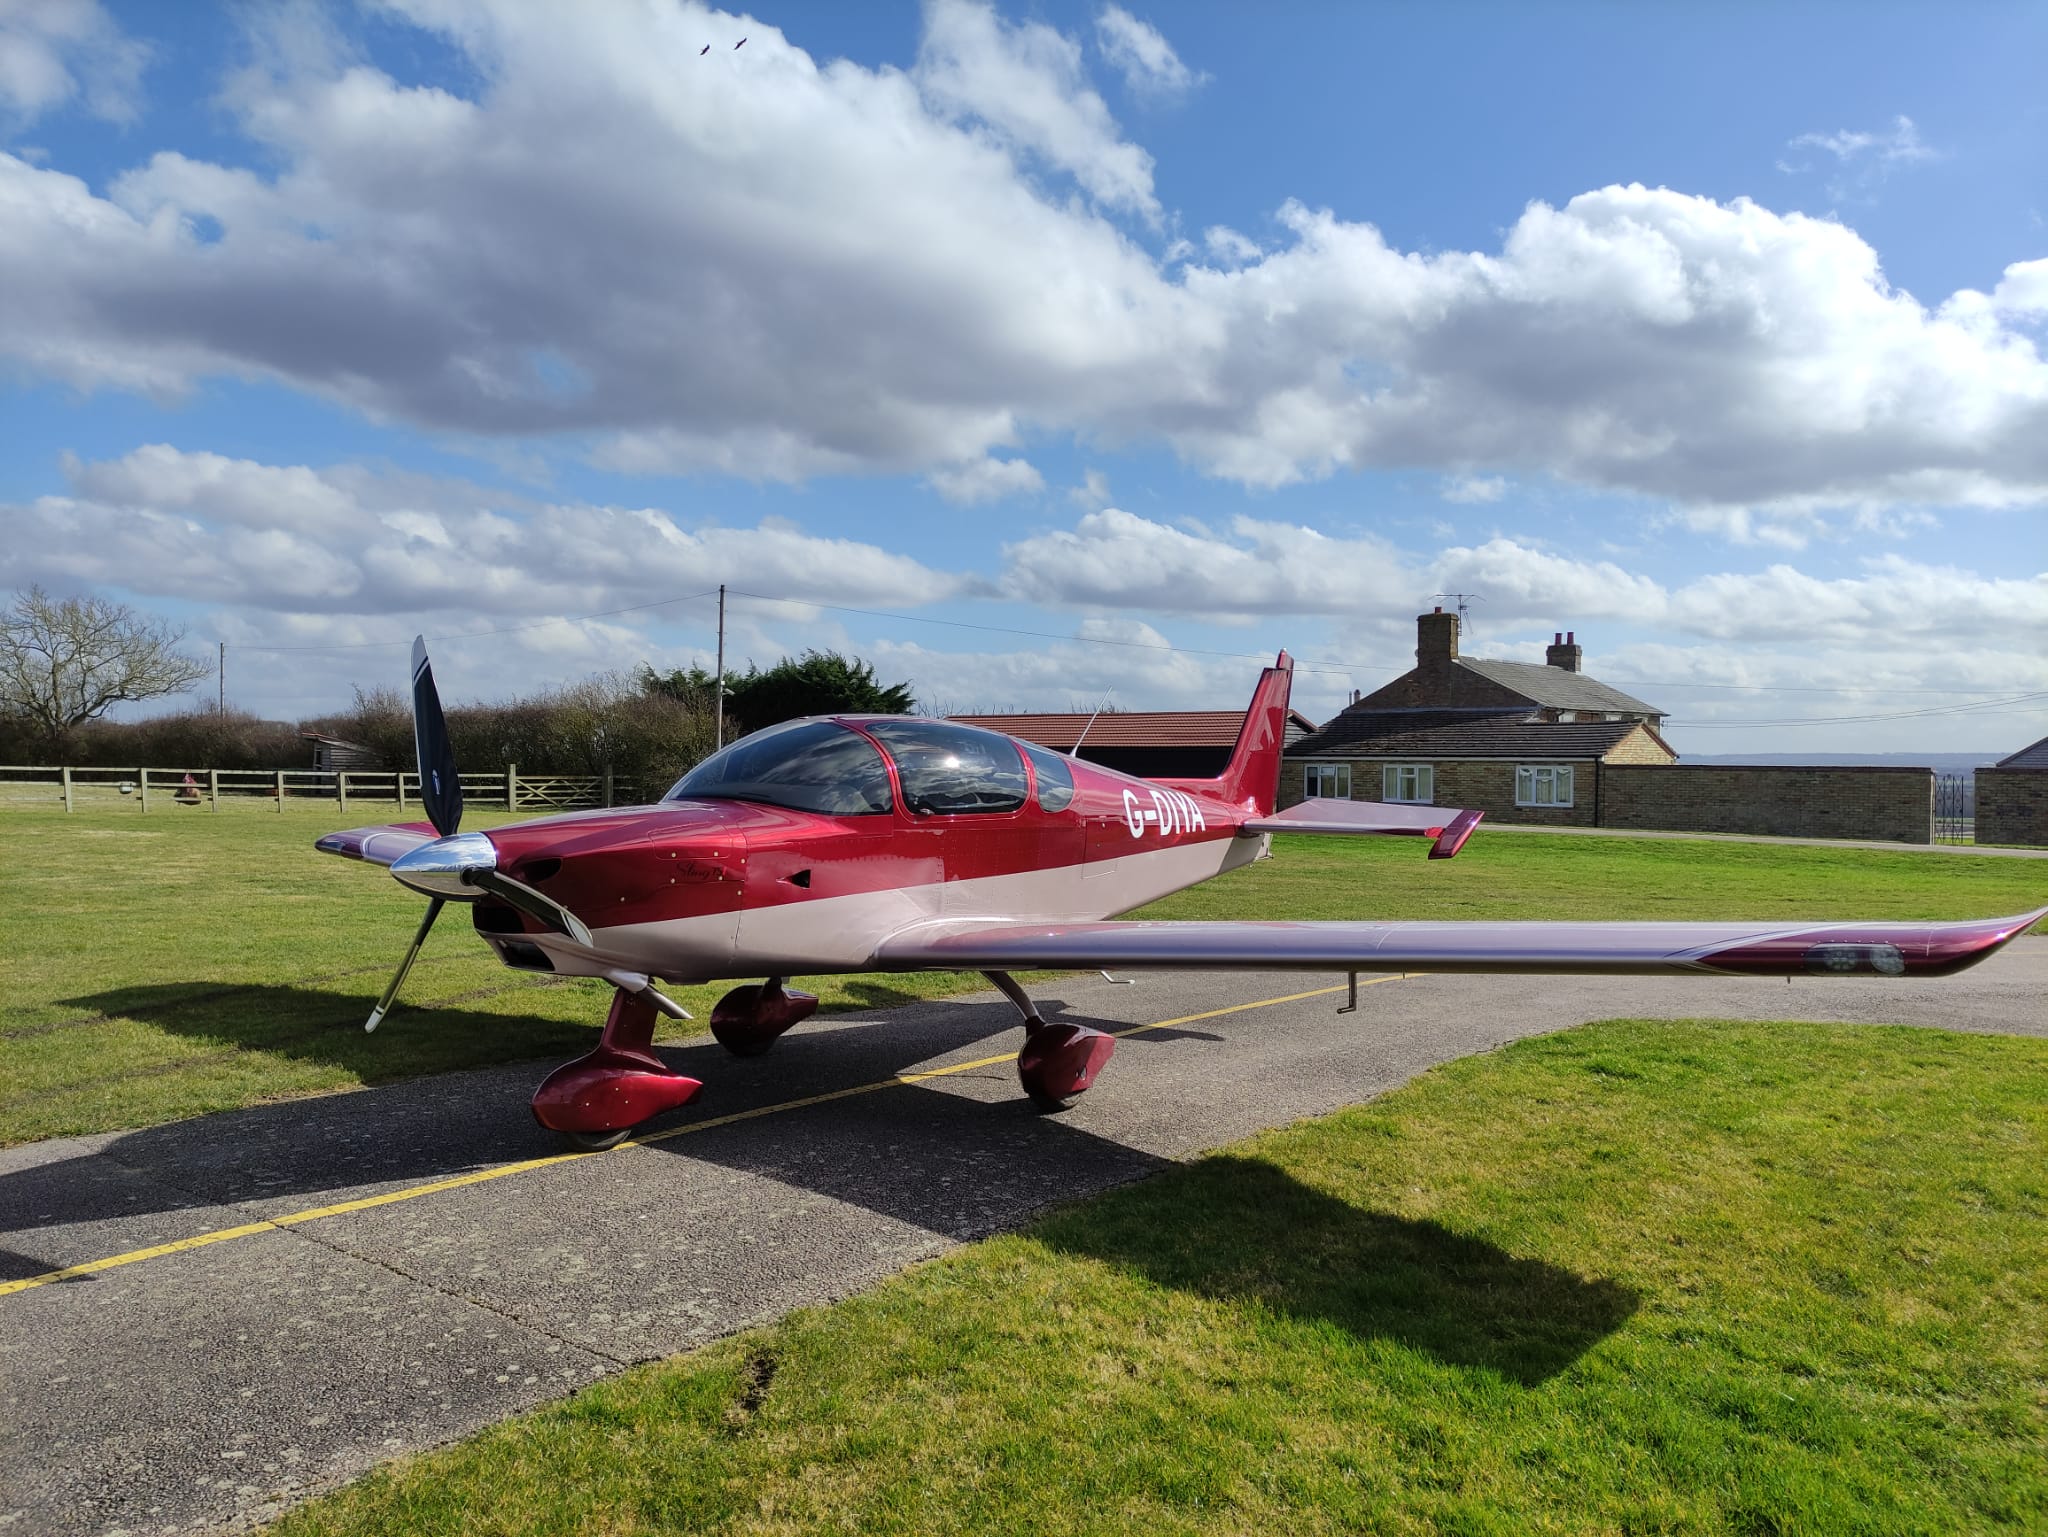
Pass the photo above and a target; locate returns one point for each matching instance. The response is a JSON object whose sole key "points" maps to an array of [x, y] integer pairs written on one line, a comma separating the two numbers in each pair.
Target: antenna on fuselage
{"points": [[1075, 750]]}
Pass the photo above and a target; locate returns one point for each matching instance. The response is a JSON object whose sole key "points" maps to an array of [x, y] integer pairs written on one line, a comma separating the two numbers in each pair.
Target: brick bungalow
{"points": [[1519, 741]]}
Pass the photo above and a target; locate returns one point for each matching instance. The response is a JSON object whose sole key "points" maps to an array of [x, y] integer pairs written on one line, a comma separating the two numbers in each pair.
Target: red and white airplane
{"points": [[892, 843]]}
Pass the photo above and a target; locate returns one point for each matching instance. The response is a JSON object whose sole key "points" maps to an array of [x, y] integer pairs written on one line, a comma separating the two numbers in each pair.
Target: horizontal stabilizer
{"points": [[1447, 825], [378, 845], [1768, 948]]}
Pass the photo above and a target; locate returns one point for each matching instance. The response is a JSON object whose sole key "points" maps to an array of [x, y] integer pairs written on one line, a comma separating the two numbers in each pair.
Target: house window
{"points": [[1327, 780], [1543, 784], [1414, 782]]}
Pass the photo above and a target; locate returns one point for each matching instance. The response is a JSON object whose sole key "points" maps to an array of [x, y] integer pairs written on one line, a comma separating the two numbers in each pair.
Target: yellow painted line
{"points": [[501, 1171]]}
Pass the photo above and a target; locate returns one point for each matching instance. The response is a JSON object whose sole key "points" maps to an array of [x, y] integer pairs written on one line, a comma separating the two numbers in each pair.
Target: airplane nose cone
{"points": [[443, 868]]}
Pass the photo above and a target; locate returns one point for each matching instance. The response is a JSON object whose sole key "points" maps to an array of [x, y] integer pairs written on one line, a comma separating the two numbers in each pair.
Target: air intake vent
{"points": [[495, 918]]}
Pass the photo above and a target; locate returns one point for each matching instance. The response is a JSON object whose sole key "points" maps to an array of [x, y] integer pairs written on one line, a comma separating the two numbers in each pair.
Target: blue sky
{"points": [[1168, 336]]}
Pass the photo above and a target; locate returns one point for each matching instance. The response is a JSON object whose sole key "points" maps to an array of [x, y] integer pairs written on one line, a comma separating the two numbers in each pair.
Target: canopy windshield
{"points": [[949, 770], [805, 765]]}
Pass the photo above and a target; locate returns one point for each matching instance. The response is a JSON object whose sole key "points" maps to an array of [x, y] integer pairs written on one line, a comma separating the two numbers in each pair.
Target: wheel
{"points": [[1049, 1104], [597, 1141]]}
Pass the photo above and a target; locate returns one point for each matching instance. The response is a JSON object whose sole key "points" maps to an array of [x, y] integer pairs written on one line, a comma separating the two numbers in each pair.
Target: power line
{"points": [[1002, 629], [1324, 667], [539, 624], [1988, 706]]}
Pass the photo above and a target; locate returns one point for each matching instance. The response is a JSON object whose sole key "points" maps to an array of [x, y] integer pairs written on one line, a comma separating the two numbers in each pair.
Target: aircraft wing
{"points": [[1621, 949], [1446, 824], [378, 845]]}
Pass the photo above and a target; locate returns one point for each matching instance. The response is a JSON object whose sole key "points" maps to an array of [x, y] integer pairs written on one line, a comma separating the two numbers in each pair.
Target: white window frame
{"points": [[1545, 786], [1314, 774], [1420, 783]]}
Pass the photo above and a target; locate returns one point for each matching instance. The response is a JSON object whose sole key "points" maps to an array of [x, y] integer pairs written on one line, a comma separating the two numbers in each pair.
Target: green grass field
{"points": [[1637, 1277], [166, 965]]}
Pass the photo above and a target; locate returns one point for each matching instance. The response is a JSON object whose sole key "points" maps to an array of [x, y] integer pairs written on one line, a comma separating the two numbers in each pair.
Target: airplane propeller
{"points": [[453, 867]]}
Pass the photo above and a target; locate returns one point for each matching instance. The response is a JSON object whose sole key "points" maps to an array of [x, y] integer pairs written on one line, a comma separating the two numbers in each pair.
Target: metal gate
{"points": [[1955, 808]]}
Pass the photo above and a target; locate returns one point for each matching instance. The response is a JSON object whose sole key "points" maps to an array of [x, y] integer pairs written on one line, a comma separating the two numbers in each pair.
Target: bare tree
{"points": [[66, 662]]}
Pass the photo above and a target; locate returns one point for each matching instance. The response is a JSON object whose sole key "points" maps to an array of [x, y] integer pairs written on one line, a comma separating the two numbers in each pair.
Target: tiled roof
{"points": [[2027, 757], [1556, 687], [1128, 728], [1459, 734]]}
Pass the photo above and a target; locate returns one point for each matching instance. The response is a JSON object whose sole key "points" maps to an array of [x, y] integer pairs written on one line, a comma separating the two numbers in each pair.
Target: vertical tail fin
{"points": [[1252, 776]]}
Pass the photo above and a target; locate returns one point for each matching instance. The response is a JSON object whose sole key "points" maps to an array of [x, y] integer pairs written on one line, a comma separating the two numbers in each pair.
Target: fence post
{"points": [[64, 778], [213, 789], [280, 792], [607, 789], [143, 774], [511, 787], [341, 788], [400, 778]]}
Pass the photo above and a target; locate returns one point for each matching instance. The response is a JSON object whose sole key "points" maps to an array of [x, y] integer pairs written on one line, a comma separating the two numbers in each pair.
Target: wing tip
{"points": [[1452, 837]]}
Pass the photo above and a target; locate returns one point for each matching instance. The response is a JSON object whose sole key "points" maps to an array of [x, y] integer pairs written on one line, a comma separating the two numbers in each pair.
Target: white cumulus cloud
{"points": [[1474, 488], [1141, 53], [1027, 83], [987, 479], [754, 264], [345, 542], [53, 52]]}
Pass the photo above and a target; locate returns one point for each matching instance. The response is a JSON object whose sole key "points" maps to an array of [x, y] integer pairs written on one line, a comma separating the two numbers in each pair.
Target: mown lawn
{"points": [[163, 966], [1637, 1277]]}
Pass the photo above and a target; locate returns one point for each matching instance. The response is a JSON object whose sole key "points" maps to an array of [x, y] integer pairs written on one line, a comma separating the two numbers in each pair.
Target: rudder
{"points": [[1251, 779]]}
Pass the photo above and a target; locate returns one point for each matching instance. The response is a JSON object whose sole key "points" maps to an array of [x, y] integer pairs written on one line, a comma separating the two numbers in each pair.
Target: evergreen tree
{"points": [[816, 683]]}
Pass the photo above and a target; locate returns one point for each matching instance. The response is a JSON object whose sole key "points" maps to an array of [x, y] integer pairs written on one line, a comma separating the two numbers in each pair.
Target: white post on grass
{"points": [[64, 778]]}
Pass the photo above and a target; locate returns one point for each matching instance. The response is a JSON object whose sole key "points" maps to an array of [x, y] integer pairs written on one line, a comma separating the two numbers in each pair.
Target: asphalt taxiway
{"points": [[201, 1322]]}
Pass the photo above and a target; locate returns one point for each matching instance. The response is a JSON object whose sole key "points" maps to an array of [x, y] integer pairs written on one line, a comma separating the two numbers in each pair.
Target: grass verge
{"points": [[1698, 1277], [163, 966]]}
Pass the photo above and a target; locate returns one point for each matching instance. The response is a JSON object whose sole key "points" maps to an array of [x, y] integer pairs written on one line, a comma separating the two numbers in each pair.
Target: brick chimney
{"points": [[1436, 637], [1565, 651]]}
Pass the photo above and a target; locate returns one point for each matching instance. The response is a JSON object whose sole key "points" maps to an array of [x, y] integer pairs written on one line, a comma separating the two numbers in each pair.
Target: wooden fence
{"points": [[157, 789]]}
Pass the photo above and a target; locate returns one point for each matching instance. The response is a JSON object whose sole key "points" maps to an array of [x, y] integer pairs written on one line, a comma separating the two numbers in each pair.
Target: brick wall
{"points": [[2012, 806], [1894, 805]]}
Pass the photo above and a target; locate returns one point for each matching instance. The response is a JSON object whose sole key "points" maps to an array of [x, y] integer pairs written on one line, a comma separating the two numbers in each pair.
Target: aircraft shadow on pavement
{"points": [[1241, 1230], [961, 1157], [333, 1147]]}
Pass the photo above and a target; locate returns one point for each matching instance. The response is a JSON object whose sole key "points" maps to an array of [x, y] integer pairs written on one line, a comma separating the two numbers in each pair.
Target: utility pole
{"points": [[719, 705], [220, 706]]}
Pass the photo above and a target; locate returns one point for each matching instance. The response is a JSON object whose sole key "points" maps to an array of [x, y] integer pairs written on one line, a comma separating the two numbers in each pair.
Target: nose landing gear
{"points": [[598, 1099], [1059, 1061]]}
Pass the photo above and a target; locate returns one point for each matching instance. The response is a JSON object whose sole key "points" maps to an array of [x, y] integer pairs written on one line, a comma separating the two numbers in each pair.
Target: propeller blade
{"points": [[534, 904], [440, 785], [412, 954]]}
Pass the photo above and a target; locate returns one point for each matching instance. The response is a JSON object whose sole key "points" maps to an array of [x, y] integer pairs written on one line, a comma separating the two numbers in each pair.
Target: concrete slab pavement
{"points": [[212, 1385]]}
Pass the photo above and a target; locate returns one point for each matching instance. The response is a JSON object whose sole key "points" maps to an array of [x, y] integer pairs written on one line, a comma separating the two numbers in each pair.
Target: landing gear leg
{"points": [[748, 1019], [1059, 1061], [598, 1099]]}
